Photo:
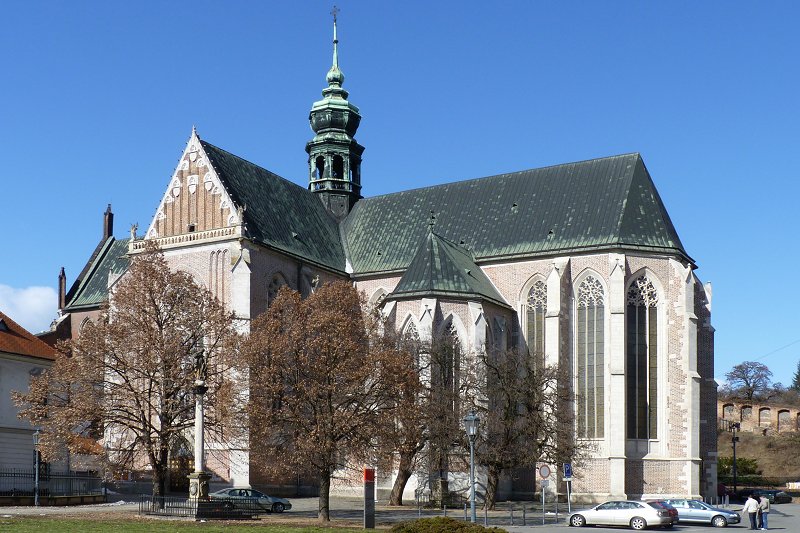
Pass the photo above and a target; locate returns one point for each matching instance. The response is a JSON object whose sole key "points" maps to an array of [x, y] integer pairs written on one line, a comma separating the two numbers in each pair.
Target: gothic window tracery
{"points": [[536, 309], [590, 357], [641, 373]]}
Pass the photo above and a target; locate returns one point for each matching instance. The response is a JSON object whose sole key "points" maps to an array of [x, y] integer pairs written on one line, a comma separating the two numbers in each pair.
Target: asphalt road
{"points": [[784, 517]]}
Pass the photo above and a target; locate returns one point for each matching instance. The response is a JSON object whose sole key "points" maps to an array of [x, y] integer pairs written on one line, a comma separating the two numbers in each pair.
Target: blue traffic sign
{"points": [[567, 470]]}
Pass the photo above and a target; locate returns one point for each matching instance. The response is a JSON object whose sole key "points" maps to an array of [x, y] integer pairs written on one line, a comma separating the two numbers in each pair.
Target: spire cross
{"points": [[334, 12]]}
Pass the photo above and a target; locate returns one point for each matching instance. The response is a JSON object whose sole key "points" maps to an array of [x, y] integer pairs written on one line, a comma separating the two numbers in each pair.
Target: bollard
{"points": [[524, 517], [485, 514], [444, 509], [512, 515], [465, 512]]}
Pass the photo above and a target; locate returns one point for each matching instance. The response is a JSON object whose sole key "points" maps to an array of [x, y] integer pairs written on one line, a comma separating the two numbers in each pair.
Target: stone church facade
{"points": [[579, 262]]}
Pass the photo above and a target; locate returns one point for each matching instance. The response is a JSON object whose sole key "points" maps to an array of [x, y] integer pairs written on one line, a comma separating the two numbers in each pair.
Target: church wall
{"points": [[208, 264], [371, 286], [79, 319], [708, 390], [265, 264], [670, 463]]}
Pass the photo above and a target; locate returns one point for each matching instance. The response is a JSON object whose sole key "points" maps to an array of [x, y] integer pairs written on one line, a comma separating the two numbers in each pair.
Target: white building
{"points": [[22, 355]]}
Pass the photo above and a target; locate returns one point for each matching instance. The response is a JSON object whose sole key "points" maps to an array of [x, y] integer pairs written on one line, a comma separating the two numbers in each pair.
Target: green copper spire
{"points": [[334, 156], [335, 75]]}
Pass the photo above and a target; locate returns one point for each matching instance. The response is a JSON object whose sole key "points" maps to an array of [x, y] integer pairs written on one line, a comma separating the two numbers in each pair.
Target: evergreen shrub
{"points": [[442, 524]]}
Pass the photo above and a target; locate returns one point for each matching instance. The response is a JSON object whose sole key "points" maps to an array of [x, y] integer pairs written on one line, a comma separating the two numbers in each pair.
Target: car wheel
{"points": [[278, 507], [638, 523], [227, 506], [577, 521], [719, 521]]}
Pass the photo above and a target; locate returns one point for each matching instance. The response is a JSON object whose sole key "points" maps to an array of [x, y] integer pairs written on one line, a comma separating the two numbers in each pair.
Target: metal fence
{"points": [[21, 482], [221, 508]]}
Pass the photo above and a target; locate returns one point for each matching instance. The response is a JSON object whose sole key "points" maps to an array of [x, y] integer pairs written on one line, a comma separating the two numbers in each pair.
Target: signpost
{"points": [[568, 479], [544, 473]]}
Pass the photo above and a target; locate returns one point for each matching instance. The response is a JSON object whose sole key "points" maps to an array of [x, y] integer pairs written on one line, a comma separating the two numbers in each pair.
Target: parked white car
{"points": [[698, 512], [636, 515]]}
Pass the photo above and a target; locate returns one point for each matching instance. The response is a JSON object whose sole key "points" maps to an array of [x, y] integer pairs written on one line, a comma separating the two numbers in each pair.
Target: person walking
{"points": [[750, 507], [763, 512]]}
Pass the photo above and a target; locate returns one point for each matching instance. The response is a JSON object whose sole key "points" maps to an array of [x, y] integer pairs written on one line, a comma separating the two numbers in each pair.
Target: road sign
{"points": [[567, 471], [544, 471], [544, 483]]}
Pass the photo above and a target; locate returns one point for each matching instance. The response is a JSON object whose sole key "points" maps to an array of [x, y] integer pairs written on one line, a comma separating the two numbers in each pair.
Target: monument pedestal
{"points": [[198, 485], [198, 493]]}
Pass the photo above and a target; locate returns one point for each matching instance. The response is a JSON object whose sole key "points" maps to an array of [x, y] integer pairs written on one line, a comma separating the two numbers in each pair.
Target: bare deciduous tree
{"points": [[320, 394], [525, 416], [404, 433], [749, 380], [130, 375]]}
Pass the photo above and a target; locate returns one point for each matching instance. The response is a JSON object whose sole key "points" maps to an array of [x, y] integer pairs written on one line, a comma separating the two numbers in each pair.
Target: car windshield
{"points": [[256, 494]]}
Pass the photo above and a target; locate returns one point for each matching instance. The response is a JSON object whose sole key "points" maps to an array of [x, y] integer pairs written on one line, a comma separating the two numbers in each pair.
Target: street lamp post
{"points": [[471, 422], [36, 466], [734, 427]]}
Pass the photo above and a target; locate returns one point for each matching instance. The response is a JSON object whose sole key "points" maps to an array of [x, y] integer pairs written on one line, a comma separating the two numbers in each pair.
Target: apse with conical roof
{"points": [[334, 156]]}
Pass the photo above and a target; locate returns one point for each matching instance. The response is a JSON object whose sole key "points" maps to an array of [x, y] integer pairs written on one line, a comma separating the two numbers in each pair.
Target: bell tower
{"points": [[334, 156]]}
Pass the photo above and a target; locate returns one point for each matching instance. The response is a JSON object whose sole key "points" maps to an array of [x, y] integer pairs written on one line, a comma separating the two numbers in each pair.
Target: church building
{"points": [[579, 262]]}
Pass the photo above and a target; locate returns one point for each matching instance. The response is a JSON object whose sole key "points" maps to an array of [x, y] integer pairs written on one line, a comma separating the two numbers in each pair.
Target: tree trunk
{"points": [[159, 481], [403, 475], [493, 478], [324, 497], [160, 478]]}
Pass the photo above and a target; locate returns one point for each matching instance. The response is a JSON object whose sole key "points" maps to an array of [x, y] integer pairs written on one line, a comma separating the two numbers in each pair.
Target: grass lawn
{"points": [[148, 525]]}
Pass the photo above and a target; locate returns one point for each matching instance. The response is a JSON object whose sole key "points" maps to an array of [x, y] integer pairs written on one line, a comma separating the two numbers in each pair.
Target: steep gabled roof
{"points": [[600, 204], [445, 269], [91, 290], [279, 213], [14, 339]]}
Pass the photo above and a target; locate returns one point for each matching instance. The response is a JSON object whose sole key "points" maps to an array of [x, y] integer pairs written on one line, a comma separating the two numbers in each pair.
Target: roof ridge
{"points": [[214, 146], [91, 267], [493, 176]]}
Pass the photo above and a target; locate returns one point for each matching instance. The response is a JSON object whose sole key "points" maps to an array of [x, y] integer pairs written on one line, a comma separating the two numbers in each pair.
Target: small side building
{"points": [[22, 355]]}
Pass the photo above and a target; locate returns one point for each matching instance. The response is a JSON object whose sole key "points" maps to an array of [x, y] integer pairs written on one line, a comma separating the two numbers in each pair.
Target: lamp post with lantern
{"points": [[471, 422]]}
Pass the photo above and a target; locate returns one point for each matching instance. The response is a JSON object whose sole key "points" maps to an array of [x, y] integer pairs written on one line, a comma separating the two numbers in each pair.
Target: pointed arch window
{"points": [[445, 362], [536, 310], [641, 372], [590, 358]]}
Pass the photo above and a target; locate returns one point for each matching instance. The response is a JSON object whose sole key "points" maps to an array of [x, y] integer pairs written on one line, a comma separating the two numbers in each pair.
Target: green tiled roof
{"points": [[442, 268], [279, 213], [92, 288], [600, 204]]}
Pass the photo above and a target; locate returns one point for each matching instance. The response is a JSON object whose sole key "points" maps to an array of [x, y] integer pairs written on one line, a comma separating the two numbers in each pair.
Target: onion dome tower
{"points": [[334, 156]]}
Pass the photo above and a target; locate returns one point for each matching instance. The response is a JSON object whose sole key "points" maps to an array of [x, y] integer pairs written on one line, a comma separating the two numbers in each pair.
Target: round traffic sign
{"points": [[544, 471]]}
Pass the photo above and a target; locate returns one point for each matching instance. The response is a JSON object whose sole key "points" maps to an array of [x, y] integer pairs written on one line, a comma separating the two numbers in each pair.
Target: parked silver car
{"points": [[636, 515], [699, 512], [252, 499]]}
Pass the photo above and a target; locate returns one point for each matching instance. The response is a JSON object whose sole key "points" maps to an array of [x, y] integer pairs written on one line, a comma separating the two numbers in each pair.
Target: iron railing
{"points": [[221, 508], [22, 481]]}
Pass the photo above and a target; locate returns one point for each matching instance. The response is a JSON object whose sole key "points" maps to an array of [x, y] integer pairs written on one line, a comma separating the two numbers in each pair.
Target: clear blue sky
{"points": [[99, 98]]}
